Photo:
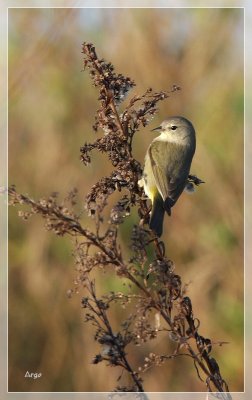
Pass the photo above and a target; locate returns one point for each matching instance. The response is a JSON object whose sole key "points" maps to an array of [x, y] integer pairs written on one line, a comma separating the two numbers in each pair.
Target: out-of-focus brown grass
{"points": [[51, 112]]}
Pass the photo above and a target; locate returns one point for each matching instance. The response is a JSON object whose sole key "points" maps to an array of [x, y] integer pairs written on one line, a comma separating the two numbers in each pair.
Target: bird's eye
{"points": [[173, 127]]}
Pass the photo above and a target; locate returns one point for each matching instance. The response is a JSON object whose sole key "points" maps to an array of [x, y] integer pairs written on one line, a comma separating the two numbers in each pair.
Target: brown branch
{"points": [[159, 288]]}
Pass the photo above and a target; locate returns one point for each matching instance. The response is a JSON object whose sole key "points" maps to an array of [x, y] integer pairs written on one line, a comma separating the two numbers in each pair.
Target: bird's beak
{"points": [[157, 129]]}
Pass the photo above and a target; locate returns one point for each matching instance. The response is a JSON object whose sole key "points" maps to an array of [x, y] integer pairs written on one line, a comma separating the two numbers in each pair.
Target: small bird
{"points": [[167, 166]]}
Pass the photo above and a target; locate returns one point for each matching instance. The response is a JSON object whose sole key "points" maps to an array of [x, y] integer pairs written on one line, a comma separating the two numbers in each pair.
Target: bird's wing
{"points": [[159, 174], [169, 185]]}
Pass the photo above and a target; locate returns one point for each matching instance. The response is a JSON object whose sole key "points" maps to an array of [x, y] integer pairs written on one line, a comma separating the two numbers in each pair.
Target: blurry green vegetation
{"points": [[51, 113]]}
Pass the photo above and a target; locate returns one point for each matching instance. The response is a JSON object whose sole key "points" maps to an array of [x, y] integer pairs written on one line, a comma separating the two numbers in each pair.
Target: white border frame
{"points": [[247, 394]]}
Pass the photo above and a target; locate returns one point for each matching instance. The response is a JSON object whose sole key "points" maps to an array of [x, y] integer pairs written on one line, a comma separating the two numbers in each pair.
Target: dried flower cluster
{"points": [[155, 295]]}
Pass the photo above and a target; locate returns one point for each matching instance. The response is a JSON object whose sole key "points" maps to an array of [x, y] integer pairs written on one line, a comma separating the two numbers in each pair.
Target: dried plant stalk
{"points": [[159, 297]]}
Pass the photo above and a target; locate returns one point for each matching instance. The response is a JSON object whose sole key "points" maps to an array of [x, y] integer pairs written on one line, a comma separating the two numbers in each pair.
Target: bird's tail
{"points": [[157, 216]]}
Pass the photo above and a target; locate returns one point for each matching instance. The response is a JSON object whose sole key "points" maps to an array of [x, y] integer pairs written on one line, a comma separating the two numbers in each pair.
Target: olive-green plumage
{"points": [[167, 166]]}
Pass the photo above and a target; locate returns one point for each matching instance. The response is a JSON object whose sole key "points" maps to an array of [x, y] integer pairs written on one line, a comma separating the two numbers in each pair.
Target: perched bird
{"points": [[167, 166]]}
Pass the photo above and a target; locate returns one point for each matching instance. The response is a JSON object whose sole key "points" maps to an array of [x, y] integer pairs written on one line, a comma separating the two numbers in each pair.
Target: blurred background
{"points": [[51, 113]]}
